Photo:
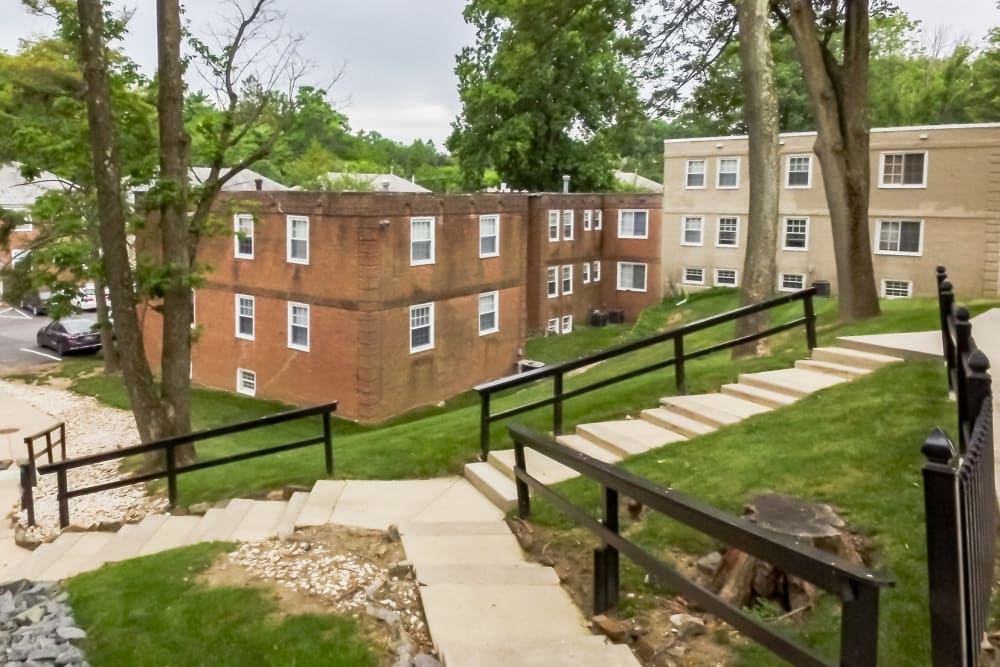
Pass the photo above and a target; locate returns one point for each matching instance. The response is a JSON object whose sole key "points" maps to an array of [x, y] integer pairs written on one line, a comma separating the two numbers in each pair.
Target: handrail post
{"points": [[611, 574], [328, 444], [30, 444], [680, 378], [484, 426], [557, 405], [62, 438], [859, 627], [171, 476], [63, 500], [810, 314], [523, 499], [27, 496]]}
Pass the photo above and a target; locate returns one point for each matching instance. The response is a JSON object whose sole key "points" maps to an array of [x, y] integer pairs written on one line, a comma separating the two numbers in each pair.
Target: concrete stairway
{"points": [[680, 418]]}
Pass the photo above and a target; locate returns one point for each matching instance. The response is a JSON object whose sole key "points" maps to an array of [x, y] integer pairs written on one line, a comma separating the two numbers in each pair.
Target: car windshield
{"points": [[77, 326]]}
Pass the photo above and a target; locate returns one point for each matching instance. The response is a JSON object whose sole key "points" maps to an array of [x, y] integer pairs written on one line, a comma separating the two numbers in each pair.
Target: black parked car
{"points": [[67, 335], [37, 301]]}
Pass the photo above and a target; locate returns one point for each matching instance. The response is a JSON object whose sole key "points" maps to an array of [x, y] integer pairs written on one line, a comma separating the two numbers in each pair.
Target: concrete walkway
{"points": [[19, 420]]}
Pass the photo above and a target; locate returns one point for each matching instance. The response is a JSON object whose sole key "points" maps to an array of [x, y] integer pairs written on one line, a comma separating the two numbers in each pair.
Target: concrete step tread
{"points": [[748, 392], [208, 519], [462, 549], [175, 531], [538, 466], [839, 354], [583, 651], [832, 367], [913, 346], [261, 522], [718, 402], [794, 381], [628, 436], [127, 544], [44, 556], [227, 522], [590, 448], [677, 422], [286, 524], [479, 574], [493, 484], [454, 528], [321, 503], [86, 554]]}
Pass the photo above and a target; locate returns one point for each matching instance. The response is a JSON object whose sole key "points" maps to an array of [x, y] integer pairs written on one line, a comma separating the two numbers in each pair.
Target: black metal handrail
{"points": [[559, 371], [172, 470], [29, 473], [855, 586]]}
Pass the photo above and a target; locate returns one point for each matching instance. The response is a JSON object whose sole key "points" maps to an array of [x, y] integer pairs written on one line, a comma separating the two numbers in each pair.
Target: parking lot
{"points": [[18, 347]]}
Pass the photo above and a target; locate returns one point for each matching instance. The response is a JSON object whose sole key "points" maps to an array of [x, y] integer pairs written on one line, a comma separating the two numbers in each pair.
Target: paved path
{"points": [[18, 420]]}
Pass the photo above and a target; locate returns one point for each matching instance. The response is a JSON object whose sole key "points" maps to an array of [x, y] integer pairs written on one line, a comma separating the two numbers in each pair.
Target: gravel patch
{"points": [[91, 427], [37, 626]]}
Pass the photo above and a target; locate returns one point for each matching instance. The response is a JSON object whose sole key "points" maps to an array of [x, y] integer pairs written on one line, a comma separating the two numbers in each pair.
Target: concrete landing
{"points": [[18, 420]]}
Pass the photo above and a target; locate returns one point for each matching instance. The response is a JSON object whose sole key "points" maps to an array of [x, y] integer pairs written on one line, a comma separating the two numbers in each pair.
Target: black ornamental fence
{"points": [[960, 497]]}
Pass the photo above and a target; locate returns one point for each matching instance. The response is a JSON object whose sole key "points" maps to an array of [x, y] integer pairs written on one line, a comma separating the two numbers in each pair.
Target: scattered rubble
{"points": [[37, 626]]}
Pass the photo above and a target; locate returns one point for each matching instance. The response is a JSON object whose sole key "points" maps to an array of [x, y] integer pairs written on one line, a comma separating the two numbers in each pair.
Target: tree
{"points": [[541, 89]]}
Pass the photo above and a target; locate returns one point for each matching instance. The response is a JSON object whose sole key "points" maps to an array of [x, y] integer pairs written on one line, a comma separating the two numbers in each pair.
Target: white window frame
{"points": [[781, 282], [495, 218], [430, 326], [553, 225], [784, 233], [240, 387], [715, 278], [632, 234], [18, 254], [688, 174], [701, 230], [788, 171], [910, 186], [718, 232], [687, 281], [292, 305], [566, 276], [431, 223], [552, 326], [719, 173], [253, 316], [552, 281], [495, 295], [588, 215], [585, 273], [598, 219], [566, 324], [568, 224], [903, 253], [289, 226], [237, 219], [25, 227], [884, 290], [633, 288], [595, 271]]}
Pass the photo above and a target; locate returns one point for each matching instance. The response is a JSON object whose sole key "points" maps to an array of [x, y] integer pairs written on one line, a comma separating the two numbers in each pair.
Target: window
{"points": [[903, 170], [567, 225], [18, 254], [25, 227], [897, 289], [586, 273], [795, 235], [553, 225], [725, 278], [489, 305], [598, 218], [421, 241], [244, 316], [567, 279], [298, 326], [692, 230], [587, 217], [567, 324], [729, 172], [727, 235], [246, 382], [695, 174], [631, 277], [633, 224], [595, 273], [694, 275], [553, 326], [899, 237], [791, 282], [243, 226], [421, 327], [552, 277], [799, 171], [298, 239], [489, 235]]}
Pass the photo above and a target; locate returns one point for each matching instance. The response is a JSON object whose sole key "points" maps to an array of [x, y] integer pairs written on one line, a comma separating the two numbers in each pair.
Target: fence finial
{"points": [[945, 287], [979, 363], [938, 447]]}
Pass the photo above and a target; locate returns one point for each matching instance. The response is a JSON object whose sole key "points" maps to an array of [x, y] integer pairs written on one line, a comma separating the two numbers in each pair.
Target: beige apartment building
{"points": [[935, 199]]}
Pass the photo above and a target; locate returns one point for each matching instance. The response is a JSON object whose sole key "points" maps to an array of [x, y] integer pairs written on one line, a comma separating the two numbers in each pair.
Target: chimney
{"points": [[566, 183], [258, 184], [385, 185]]}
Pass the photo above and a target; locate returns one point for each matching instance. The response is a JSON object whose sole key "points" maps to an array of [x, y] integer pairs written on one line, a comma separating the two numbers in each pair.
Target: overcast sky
{"points": [[398, 56]]}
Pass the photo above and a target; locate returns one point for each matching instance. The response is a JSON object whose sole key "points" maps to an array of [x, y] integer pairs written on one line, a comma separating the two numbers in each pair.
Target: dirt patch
{"points": [[335, 570]]}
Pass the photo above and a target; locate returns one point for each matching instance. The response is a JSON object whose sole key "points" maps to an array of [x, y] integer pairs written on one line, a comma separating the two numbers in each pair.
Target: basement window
{"points": [[553, 326], [693, 275], [791, 282], [725, 278], [567, 324], [897, 289], [246, 382]]}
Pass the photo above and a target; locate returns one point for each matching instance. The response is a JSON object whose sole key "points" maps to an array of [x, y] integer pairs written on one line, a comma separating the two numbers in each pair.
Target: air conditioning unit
{"points": [[822, 288], [525, 365], [598, 318], [616, 316]]}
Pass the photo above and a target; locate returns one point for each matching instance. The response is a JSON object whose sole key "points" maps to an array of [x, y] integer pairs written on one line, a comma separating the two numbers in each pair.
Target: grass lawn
{"points": [[151, 611]]}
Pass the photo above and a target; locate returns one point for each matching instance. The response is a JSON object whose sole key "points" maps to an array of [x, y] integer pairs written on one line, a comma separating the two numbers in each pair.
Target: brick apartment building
{"points": [[16, 194], [390, 301], [935, 199]]}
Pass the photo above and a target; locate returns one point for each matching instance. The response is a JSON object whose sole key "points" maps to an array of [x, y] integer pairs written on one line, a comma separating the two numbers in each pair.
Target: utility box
{"points": [[526, 365], [822, 288], [598, 319], [616, 316]]}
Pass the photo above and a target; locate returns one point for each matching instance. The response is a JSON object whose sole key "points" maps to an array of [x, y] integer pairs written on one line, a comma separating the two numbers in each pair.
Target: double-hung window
{"points": [[903, 170], [729, 173], [421, 240], [553, 225], [489, 235], [243, 226], [691, 232], [798, 173], [695, 174], [567, 279], [244, 316], [725, 278], [585, 274], [567, 324], [421, 327], [588, 215], [298, 239], [298, 326], [693, 275], [552, 281], [553, 326], [595, 273], [631, 277], [489, 306], [795, 235], [791, 282], [899, 237], [568, 225], [728, 233], [598, 219], [633, 224]]}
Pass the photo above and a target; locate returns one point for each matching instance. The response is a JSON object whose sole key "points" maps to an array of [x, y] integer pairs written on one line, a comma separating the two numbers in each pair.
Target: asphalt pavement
{"points": [[17, 338]]}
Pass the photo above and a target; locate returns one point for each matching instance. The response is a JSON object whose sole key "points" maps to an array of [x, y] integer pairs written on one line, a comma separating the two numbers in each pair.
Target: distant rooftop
{"points": [[640, 183], [16, 192], [243, 181], [377, 182]]}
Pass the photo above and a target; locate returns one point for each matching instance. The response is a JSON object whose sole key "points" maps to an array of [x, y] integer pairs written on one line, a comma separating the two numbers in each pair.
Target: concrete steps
{"points": [[677, 422], [714, 409], [592, 651], [856, 358], [840, 370], [492, 483], [627, 437], [792, 381], [772, 399]]}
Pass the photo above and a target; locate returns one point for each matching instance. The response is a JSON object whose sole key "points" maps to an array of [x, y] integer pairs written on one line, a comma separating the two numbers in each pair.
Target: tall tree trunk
{"points": [[174, 227], [838, 93], [138, 376], [109, 348], [761, 115]]}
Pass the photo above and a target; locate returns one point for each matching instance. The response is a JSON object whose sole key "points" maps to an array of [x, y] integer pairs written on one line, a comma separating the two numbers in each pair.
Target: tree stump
{"points": [[741, 578]]}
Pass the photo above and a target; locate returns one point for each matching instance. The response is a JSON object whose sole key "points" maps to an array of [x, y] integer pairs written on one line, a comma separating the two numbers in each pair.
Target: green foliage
{"points": [[541, 91]]}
